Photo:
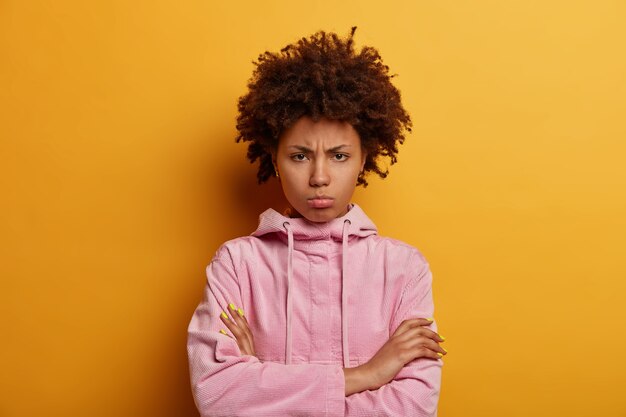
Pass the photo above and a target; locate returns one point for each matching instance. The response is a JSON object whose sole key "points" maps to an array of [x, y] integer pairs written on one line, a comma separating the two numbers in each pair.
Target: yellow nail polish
{"points": [[222, 331], [430, 319], [440, 354], [232, 306], [224, 315], [444, 350], [240, 311], [442, 338]]}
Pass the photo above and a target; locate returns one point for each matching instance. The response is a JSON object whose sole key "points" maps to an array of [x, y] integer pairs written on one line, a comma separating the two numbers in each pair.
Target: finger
{"points": [[420, 331], [411, 323], [232, 326], [245, 319], [240, 320], [240, 336], [246, 326], [416, 340], [423, 352], [222, 331], [238, 317]]}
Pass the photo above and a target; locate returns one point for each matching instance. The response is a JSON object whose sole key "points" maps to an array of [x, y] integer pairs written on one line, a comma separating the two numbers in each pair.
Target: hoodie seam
{"points": [[229, 264], [414, 280]]}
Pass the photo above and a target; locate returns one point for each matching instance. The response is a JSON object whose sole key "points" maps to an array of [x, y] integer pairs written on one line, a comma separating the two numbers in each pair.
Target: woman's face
{"points": [[318, 164]]}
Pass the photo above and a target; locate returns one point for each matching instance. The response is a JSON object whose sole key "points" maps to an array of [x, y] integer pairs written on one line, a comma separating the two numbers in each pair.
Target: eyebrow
{"points": [[305, 149]]}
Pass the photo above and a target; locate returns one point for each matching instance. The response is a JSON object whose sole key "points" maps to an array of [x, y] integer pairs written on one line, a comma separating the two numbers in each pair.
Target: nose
{"points": [[320, 175]]}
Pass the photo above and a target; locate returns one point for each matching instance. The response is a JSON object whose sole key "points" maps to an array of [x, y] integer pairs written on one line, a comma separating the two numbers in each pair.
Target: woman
{"points": [[314, 313]]}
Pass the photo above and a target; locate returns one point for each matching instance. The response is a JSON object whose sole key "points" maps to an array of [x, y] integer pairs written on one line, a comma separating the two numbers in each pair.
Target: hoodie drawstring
{"points": [[289, 275], [344, 293]]}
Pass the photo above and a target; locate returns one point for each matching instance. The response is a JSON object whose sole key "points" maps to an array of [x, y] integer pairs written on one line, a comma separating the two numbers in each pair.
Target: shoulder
{"points": [[410, 263], [398, 250], [230, 248], [235, 250], [226, 257]]}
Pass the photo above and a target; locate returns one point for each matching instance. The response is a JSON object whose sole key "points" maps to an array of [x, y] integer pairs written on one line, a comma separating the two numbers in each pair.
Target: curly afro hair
{"points": [[322, 77]]}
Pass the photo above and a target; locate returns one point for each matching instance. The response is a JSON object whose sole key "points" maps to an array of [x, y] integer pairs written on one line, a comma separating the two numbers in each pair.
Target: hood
{"points": [[354, 223], [271, 221]]}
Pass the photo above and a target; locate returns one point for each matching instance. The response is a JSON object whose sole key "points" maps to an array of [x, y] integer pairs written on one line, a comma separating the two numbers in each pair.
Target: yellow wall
{"points": [[119, 178]]}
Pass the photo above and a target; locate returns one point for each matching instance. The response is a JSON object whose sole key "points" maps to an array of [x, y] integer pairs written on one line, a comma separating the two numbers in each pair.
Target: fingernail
{"points": [[224, 315], [444, 350], [442, 338], [440, 354], [430, 319], [232, 306], [240, 311], [222, 331]]}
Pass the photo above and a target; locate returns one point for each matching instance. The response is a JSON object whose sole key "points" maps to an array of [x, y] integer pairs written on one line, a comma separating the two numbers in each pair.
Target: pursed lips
{"points": [[320, 202]]}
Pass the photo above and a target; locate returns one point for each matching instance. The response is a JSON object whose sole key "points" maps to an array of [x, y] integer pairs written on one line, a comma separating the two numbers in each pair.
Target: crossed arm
{"points": [[402, 378], [411, 340]]}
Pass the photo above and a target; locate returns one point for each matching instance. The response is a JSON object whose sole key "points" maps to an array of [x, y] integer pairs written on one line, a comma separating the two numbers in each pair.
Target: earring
{"points": [[276, 172]]}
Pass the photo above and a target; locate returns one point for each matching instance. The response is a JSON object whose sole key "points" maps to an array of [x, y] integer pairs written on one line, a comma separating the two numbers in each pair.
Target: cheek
{"points": [[353, 173], [291, 183], [347, 184]]}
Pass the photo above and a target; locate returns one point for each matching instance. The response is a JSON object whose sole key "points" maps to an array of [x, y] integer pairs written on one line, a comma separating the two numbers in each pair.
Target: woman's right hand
{"points": [[410, 341]]}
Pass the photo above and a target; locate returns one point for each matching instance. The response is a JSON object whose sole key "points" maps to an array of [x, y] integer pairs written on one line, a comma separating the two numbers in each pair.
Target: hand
{"points": [[410, 341], [238, 326]]}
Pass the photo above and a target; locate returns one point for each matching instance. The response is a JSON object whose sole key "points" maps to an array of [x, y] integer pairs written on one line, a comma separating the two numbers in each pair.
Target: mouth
{"points": [[320, 202]]}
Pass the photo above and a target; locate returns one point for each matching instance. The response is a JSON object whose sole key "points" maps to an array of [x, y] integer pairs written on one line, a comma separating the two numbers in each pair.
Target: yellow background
{"points": [[120, 177]]}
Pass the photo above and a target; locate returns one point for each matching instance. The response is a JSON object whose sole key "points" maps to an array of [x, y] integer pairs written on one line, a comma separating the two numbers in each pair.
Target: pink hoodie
{"points": [[318, 297]]}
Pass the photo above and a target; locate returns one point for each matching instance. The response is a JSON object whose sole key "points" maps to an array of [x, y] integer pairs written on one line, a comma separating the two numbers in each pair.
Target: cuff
{"points": [[336, 391]]}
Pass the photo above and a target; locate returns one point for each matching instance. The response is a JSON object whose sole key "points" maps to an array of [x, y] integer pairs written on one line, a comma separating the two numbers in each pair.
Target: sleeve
{"points": [[415, 389], [226, 383]]}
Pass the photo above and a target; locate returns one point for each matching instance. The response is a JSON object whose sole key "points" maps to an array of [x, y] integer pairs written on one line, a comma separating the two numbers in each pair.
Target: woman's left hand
{"points": [[238, 326]]}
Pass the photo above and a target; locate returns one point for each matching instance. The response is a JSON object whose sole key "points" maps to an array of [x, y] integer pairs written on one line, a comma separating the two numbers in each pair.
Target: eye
{"points": [[342, 156], [298, 157]]}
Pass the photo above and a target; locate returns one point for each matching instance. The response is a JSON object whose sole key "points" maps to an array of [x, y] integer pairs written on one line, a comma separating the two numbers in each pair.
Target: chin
{"points": [[318, 219], [321, 215]]}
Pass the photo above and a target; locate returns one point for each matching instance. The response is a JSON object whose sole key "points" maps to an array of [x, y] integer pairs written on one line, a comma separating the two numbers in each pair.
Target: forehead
{"points": [[306, 132]]}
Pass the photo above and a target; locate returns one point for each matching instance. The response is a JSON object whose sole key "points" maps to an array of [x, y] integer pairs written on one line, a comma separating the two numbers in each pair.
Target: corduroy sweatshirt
{"points": [[318, 297]]}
